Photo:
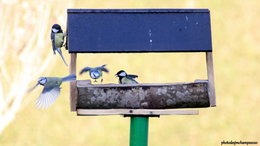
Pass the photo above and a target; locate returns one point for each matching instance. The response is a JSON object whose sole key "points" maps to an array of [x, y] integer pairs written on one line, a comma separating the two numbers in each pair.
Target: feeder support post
{"points": [[139, 130], [73, 84]]}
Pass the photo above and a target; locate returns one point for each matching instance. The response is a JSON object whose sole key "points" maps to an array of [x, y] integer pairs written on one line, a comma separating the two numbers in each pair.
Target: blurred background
{"points": [[25, 52]]}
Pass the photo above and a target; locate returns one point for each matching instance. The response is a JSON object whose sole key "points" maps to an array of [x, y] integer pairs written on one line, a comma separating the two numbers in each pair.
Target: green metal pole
{"points": [[139, 131]]}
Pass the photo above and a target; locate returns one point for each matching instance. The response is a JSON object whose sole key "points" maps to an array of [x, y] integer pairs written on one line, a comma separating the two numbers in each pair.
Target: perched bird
{"points": [[124, 78], [51, 89], [57, 39], [96, 72]]}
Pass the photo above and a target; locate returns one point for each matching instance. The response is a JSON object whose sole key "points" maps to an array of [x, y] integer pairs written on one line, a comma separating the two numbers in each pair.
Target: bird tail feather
{"points": [[69, 78], [60, 52]]}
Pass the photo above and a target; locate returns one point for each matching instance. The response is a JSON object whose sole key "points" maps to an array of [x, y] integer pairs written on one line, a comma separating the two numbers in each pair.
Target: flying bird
{"points": [[57, 39], [96, 72], [124, 78], [51, 90]]}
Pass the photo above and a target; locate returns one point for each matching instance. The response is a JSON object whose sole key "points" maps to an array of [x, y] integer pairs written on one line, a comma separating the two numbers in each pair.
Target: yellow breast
{"points": [[59, 39]]}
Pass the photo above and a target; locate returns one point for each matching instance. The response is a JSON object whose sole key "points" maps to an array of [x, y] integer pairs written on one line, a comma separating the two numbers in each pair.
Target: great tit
{"points": [[96, 72], [124, 78], [51, 90], [57, 39]]}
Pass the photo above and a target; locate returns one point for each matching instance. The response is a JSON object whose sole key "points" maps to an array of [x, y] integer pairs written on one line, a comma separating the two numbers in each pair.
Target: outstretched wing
{"points": [[47, 97], [102, 68], [86, 69], [132, 76]]}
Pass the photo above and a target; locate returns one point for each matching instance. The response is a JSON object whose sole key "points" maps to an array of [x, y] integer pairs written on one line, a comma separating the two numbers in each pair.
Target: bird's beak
{"points": [[29, 90], [116, 75]]}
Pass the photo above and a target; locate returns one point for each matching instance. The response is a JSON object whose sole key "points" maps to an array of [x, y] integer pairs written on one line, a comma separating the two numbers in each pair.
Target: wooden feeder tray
{"points": [[146, 99]]}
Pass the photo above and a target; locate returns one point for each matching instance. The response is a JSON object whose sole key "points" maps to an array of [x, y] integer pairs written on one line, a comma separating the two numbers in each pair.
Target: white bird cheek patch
{"points": [[122, 74], [55, 30], [43, 81]]}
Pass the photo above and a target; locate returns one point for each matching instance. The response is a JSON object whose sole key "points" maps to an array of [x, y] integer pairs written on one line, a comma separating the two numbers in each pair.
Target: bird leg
{"points": [[95, 81], [101, 80]]}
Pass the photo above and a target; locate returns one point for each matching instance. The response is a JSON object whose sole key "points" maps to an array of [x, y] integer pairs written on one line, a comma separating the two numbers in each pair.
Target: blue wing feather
{"points": [[102, 68], [69, 78], [86, 69]]}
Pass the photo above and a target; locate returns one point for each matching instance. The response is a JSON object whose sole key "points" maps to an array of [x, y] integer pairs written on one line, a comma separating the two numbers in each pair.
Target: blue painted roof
{"points": [[138, 30]]}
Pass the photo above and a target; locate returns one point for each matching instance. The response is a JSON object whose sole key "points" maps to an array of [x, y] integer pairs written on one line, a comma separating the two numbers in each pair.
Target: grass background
{"points": [[236, 37]]}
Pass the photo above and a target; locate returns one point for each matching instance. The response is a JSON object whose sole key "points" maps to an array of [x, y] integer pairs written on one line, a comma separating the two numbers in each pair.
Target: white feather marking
{"points": [[47, 99], [42, 80], [122, 74], [55, 30], [47, 102], [94, 75]]}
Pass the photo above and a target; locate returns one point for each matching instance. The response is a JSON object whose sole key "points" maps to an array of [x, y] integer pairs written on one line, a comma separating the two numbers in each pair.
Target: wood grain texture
{"points": [[210, 72], [73, 88], [148, 112], [142, 96]]}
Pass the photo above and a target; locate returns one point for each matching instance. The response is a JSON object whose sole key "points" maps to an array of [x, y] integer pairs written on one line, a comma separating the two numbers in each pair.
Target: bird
{"points": [[51, 90], [57, 39], [124, 78], [96, 72]]}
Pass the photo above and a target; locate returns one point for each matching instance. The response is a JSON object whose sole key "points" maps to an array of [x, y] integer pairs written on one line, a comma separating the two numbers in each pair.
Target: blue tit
{"points": [[57, 39], [96, 72], [51, 90], [124, 78]]}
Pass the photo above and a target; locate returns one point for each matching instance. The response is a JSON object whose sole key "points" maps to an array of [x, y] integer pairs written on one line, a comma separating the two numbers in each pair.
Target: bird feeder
{"points": [[140, 31]]}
